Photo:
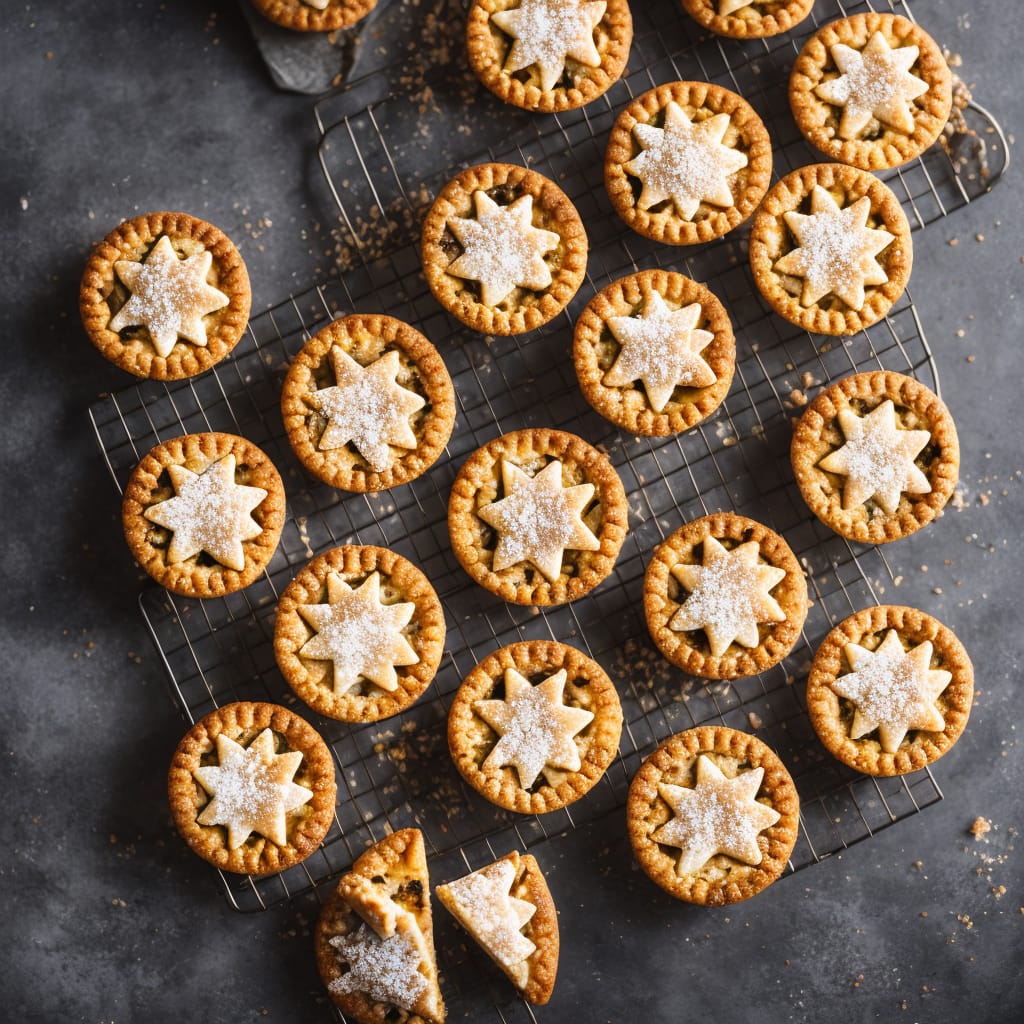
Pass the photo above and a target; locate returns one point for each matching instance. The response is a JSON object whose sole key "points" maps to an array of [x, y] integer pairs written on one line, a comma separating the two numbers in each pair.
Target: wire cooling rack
{"points": [[383, 159]]}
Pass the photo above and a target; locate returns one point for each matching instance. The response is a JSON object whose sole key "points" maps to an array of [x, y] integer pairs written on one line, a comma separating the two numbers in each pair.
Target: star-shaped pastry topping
{"points": [[878, 458], [548, 31], [535, 727], [251, 789], [502, 250], [685, 162], [837, 250], [359, 635], [387, 970], [169, 296], [538, 519], [661, 348], [894, 690], [875, 83], [367, 407], [484, 904], [719, 815], [209, 512], [728, 595], [727, 7]]}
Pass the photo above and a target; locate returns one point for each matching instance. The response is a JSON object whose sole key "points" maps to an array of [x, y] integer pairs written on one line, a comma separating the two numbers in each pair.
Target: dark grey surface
{"points": [[112, 110]]}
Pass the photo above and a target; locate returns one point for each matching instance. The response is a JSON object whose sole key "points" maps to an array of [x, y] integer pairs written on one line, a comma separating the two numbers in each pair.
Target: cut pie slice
{"points": [[375, 937], [507, 908]]}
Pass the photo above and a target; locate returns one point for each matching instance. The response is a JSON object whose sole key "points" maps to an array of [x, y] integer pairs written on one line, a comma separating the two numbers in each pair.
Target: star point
{"points": [[388, 970]]}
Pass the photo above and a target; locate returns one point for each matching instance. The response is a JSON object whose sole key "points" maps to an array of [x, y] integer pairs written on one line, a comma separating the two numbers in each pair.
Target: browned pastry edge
{"points": [[627, 406], [312, 680], [301, 17], [132, 240], [770, 240], [433, 425], [748, 23], [674, 762], [817, 433], [587, 686], [666, 225], [831, 715], [819, 121], [478, 483], [689, 650], [307, 825], [148, 486], [488, 49], [552, 211]]}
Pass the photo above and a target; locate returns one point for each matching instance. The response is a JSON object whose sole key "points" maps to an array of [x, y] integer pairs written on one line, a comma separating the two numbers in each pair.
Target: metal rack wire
{"points": [[381, 164]]}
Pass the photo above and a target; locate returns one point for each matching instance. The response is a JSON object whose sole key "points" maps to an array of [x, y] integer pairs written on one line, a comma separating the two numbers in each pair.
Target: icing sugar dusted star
{"points": [[387, 970], [894, 690], [548, 31], [169, 296]]}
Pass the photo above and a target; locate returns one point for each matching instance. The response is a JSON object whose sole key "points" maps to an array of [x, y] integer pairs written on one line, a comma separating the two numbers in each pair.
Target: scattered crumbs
{"points": [[924, 913], [897, 580], [118, 902], [979, 237], [999, 891], [971, 358], [983, 498], [23, 202], [954, 241], [980, 827], [755, 720], [961, 332]]}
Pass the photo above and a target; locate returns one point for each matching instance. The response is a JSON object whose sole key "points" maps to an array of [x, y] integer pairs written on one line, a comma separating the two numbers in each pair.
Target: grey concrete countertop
{"points": [[114, 109]]}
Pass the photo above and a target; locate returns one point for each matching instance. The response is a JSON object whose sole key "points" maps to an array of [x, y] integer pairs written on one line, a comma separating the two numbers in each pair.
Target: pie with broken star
{"points": [[368, 403], [713, 816], [537, 516], [687, 162], [724, 597], [548, 55], [165, 295], [830, 249], [504, 249], [876, 456], [359, 633], [252, 788], [314, 15], [748, 19], [203, 513], [654, 352], [872, 90], [890, 690], [534, 726]]}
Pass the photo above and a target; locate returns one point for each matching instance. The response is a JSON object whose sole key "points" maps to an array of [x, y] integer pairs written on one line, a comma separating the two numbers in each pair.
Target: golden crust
{"points": [[524, 309], [307, 825], [771, 239], [722, 879], [595, 350], [366, 337], [664, 596], [401, 581], [471, 739], [397, 867], [888, 147], [200, 575], [699, 100], [478, 484], [817, 433], [294, 14], [761, 19], [101, 294], [488, 48], [831, 715]]}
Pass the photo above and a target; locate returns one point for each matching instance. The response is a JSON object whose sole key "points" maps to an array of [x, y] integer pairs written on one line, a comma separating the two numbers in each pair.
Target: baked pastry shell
{"points": [[300, 17], [762, 19]]}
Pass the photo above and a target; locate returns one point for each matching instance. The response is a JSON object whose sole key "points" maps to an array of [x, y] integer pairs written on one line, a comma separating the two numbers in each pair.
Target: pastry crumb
{"points": [[980, 827]]}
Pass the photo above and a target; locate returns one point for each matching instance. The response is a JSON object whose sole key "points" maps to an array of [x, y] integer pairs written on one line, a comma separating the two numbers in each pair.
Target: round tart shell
{"points": [[771, 239], [819, 121], [294, 14], [832, 715], [479, 483], [761, 19], [307, 825], [587, 686], [523, 309], [366, 338], [488, 48], [313, 680], [200, 575], [595, 350], [699, 100], [817, 433], [101, 294], [664, 596], [722, 880]]}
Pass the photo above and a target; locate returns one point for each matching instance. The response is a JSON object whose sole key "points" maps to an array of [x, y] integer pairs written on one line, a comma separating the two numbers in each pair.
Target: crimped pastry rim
{"points": [[301, 17], [705, 12]]}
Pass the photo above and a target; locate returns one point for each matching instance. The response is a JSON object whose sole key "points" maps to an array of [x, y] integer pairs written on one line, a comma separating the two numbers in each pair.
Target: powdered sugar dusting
{"points": [[386, 970]]}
